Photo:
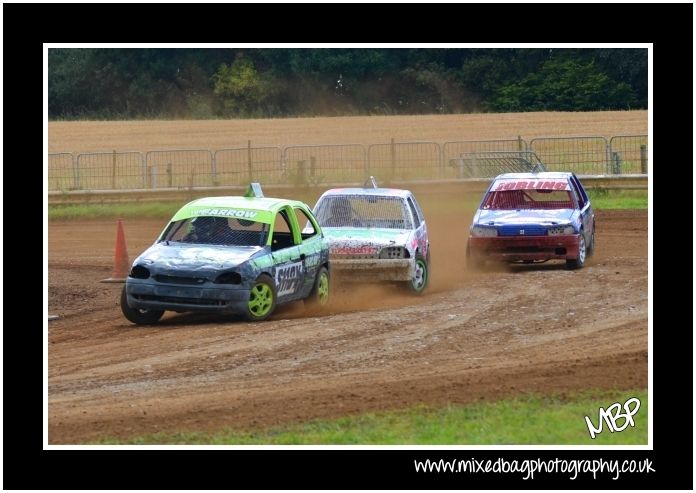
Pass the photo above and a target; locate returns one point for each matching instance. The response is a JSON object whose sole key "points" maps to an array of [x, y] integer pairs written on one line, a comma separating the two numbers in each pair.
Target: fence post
{"points": [[644, 159], [76, 170], [440, 161], [213, 164], [616, 163], [169, 175], [153, 177], [301, 172], [368, 164], [460, 163], [519, 143], [251, 172], [393, 158], [312, 166], [113, 170], [143, 161]]}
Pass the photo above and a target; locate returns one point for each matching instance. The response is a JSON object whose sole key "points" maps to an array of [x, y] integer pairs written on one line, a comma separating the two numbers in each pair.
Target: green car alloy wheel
{"points": [[420, 275], [323, 288], [262, 299], [319, 298]]}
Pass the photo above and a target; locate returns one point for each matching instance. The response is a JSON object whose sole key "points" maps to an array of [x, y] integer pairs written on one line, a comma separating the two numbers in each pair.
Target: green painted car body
{"points": [[233, 255]]}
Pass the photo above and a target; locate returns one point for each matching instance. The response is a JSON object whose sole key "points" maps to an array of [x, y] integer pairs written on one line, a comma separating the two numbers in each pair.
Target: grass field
{"points": [[526, 420], [601, 199], [619, 199]]}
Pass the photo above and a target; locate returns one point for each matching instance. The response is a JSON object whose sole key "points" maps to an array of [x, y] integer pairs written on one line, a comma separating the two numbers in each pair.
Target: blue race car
{"points": [[533, 217]]}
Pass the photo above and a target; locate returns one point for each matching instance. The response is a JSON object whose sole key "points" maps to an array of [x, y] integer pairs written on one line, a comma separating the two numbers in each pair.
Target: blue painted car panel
{"points": [[528, 229]]}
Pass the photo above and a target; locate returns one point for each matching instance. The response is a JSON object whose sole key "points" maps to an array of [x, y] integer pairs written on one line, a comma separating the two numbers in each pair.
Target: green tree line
{"points": [[115, 83]]}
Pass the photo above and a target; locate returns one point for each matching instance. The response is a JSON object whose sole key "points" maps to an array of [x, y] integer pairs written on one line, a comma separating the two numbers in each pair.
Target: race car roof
{"points": [[385, 192], [253, 208], [536, 176], [547, 180]]}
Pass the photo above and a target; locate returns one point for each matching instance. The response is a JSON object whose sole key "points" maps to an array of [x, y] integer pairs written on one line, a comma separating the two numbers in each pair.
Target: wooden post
{"points": [[644, 159], [301, 172], [251, 171], [76, 171], [113, 170], [213, 166], [393, 158], [460, 164], [616, 163], [169, 175], [519, 143]]}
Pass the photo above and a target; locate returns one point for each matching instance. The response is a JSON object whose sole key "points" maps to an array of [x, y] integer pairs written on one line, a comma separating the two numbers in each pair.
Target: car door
{"points": [[310, 246], [289, 270], [421, 233], [586, 213]]}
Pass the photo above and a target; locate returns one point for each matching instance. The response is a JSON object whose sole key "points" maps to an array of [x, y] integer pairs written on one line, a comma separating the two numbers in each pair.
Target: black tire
{"points": [[591, 246], [320, 296], [421, 275], [262, 299], [576, 263], [139, 316]]}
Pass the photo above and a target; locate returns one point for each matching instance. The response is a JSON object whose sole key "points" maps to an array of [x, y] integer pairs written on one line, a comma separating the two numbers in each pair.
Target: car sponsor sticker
{"points": [[227, 213], [353, 250], [531, 185], [289, 278], [312, 260]]}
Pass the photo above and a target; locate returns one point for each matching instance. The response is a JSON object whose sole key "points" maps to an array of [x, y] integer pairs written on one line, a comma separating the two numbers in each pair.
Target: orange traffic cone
{"points": [[121, 262]]}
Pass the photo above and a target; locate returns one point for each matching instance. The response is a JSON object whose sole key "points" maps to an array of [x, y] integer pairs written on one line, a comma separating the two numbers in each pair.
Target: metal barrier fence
{"points": [[405, 160], [492, 163], [246, 164], [629, 154], [319, 164], [110, 170], [452, 152], [180, 168], [584, 155], [61, 172], [333, 163]]}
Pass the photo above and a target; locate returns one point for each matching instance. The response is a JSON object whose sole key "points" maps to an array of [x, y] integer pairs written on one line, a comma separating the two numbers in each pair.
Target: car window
{"points": [[308, 229], [416, 216], [419, 209], [217, 230], [578, 200], [582, 196], [528, 199], [282, 233], [363, 211]]}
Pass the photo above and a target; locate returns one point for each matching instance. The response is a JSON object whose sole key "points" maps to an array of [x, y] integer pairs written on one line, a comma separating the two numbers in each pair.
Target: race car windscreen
{"points": [[226, 231], [528, 199], [363, 211]]}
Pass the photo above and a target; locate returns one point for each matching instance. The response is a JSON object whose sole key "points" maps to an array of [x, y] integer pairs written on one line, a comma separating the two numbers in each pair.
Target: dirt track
{"points": [[473, 336]]}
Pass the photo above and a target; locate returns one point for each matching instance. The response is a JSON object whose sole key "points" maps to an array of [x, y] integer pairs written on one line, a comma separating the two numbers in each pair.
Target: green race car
{"points": [[233, 255]]}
